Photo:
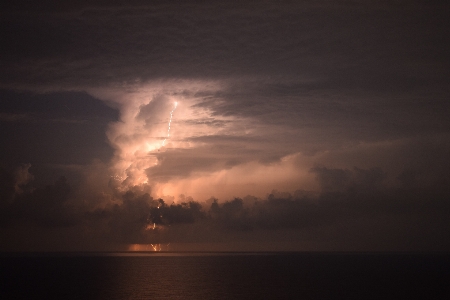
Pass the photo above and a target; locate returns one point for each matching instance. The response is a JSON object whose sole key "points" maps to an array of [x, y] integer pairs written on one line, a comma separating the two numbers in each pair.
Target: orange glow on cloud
{"points": [[169, 116], [252, 178], [143, 127]]}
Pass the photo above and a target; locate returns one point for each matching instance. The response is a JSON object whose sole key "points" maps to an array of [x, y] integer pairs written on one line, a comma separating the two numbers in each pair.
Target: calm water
{"points": [[225, 276]]}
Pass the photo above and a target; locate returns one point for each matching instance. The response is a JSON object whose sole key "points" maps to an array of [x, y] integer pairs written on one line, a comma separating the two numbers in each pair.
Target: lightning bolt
{"points": [[170, 121]]}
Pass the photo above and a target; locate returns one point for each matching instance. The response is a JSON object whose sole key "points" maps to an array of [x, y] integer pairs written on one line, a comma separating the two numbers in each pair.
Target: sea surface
{"points": [[225, 276]]}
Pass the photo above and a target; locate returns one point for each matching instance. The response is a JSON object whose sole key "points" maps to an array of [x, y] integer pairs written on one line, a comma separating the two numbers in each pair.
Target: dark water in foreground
{"points": [[225, 276]]}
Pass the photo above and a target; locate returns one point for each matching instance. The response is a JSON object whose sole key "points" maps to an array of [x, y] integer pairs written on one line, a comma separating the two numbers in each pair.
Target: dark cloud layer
{"points": [[42, 206], [51, 130], [353, 208], [345, 45]]}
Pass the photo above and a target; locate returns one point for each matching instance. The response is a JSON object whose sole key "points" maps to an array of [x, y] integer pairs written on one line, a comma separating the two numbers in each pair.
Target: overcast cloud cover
{"points": [[294, 125]]}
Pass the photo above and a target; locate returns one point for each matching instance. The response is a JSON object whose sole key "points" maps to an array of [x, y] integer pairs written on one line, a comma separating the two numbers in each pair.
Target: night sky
{"points": [[196, 125]]}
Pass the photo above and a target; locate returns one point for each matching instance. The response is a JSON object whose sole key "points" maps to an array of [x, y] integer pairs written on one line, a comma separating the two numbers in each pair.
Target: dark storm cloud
{"points": [[49, 106], [139, 218], [351, 115], [208, 121], [335, 180], [346, 45], [352, 213], [359, 206], [45, 206], [52, 128], [57, 205]]}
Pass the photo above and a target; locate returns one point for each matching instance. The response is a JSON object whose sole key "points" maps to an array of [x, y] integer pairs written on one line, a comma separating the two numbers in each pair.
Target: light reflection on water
{"points": [[177, 276], [172, 275], [162, 278]]}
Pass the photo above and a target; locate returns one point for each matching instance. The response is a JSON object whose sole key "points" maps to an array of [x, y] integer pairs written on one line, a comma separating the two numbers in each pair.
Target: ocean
{"points": [[225, 276]]}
